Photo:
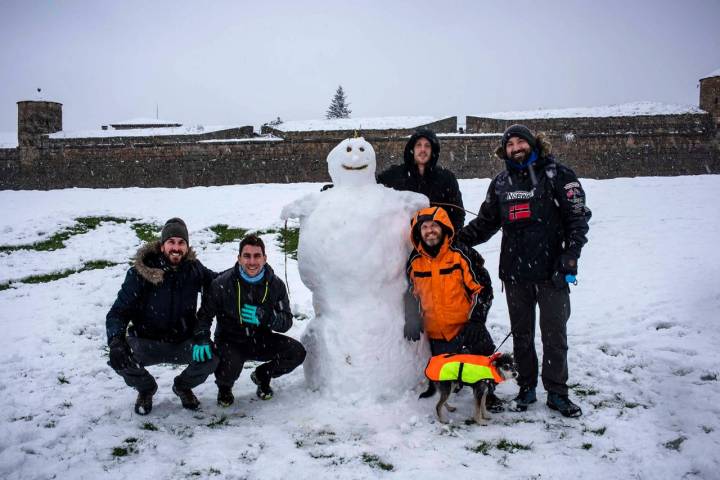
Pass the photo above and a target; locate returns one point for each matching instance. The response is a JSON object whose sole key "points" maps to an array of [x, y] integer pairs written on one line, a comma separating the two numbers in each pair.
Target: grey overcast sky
{"points": [[237, 62]]}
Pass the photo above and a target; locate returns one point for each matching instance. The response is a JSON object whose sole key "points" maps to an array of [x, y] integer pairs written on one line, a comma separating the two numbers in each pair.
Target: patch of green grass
{"points": [[50, 424], [511, 447], [226, 234], [147, 232], [675, 444], [598, 431], [149, 427], [219, 422], [120, 452], [51, 277], [57, 240], [62, 380], [709, 377], [482, 447], [587, 446], [375, 462], [125, 450], [288, 238], [582, 391]]}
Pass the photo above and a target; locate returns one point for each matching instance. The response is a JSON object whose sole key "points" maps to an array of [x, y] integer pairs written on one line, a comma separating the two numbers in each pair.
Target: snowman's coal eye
{"points": [[349, 149], [362, 149]]}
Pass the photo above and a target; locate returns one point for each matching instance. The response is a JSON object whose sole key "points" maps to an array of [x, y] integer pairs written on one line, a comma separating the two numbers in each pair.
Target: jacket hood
{"points": [[150, 264], [434, 143], [436, 214], [544, 148]]}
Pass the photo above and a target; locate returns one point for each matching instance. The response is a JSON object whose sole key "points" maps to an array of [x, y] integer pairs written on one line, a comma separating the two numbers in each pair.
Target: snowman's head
{"points": [[352, 163]]}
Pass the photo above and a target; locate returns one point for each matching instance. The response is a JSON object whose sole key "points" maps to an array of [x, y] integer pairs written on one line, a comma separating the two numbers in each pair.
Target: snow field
{"points": [[643, 336]]}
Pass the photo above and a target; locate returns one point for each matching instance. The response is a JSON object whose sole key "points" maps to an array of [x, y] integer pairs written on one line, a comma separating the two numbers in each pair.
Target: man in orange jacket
{"points": [[450, 290]]}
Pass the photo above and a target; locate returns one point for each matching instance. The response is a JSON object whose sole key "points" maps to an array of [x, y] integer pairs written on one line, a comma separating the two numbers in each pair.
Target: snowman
{"points": [[354, 243]]}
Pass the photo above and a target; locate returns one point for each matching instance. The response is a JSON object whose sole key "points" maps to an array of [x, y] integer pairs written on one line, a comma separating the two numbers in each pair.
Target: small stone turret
{"points": [[35, 119], [710, 95]]}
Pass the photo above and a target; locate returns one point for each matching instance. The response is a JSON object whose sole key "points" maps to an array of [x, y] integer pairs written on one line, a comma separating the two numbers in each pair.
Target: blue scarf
{"points": [[522, 166], [251, 280]]}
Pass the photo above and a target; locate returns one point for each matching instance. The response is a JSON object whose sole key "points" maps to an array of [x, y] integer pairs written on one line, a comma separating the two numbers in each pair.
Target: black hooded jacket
{"points": [[437, 183], [541, 217], [159, 299], [221, 301]]}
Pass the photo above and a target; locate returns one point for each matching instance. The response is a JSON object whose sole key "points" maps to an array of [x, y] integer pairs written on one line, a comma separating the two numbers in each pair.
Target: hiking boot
{"points": [[264, 392], [563, 404], [143, 403], [525, 397], [494, 404], [187, 398], [225, 397]]}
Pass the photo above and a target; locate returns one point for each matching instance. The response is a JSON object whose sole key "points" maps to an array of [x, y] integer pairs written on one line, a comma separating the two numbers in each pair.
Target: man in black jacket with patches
{"points": [[540, 206], [420, 173], [158, 302], [250, 304]]}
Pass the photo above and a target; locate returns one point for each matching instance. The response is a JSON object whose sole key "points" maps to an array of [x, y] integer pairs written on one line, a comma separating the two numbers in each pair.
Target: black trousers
{"points": [[554, 304], [151, 352], [484, 346], [280, 353]]}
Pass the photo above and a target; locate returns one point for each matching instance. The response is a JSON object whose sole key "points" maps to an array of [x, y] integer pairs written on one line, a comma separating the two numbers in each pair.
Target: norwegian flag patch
{"points": [[520, 211]]}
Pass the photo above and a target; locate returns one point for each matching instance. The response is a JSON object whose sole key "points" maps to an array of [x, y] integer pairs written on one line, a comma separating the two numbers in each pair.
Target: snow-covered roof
{"points": [[145, 121], [378, 123], [143, 132], [716, 73], [622, 110], [262, 138], [8, 140]]}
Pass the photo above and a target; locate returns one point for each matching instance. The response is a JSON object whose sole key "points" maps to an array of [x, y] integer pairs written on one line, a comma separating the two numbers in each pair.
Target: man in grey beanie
{"points": [[154, 316]]}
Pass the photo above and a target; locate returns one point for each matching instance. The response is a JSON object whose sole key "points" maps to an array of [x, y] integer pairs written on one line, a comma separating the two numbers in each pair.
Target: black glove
{"points": [[412, 331], [567, 264], [120, 354], [477, 339]]}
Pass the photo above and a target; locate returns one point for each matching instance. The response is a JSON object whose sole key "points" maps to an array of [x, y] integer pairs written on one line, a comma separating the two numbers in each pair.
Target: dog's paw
{"points": [[450, 407]]}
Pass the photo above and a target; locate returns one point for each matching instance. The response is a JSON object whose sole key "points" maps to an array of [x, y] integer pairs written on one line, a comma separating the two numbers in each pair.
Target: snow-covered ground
{"points": [[644, 338]]}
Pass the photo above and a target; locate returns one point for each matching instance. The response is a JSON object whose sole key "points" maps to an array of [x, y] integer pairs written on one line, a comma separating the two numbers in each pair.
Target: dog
{"points": [[480, 372]]}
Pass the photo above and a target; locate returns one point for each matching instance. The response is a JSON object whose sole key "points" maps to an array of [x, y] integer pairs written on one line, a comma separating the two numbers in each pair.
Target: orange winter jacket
{"points": [[452, 287]]}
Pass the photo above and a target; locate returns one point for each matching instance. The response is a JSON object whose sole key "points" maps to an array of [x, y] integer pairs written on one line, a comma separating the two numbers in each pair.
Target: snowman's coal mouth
{"points": [[361, 167]]}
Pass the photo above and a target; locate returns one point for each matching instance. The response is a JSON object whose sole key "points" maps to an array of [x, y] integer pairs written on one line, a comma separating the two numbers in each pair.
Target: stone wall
{"points": [[710, 97], [592, 155]]}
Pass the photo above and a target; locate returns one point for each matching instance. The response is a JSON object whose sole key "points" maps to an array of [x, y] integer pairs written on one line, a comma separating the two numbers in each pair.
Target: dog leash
{"points": [[501, 343]]}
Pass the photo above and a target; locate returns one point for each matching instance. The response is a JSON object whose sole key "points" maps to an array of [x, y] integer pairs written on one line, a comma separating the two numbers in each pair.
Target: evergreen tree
{"points": [[339, 107]]}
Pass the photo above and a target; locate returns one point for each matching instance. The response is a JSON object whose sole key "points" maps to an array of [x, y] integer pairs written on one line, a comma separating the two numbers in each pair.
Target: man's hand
{"points": [[249, 314], [120, 354], [201, 352], [567, 264]]}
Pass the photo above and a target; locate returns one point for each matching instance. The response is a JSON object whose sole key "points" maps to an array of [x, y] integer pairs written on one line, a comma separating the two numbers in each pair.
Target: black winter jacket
{"points": [[160, 300], [437, 183], [221, 301], [540, 221]]}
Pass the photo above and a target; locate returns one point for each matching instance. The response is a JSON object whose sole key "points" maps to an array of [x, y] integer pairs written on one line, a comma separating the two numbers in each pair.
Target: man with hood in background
{"points": [[420, 173], [158, 301], [540, 206]]}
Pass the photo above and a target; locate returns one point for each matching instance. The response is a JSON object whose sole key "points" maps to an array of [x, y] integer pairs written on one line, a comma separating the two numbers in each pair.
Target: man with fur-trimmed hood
{"points": [[540, 206], [158, 302], [420, 173]]}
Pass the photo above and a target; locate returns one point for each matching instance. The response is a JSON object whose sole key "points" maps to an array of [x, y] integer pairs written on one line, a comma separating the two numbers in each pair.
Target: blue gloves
{"points": [[249, 314], [201, 352], [571, 279]]}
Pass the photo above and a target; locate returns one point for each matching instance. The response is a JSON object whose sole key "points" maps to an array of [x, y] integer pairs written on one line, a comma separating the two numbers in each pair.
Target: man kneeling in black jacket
{"points": [[250, 302], [154, 316]]}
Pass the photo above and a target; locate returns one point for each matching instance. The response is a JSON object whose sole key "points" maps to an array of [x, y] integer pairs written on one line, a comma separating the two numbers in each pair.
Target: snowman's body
{"points": [[354, 242]]}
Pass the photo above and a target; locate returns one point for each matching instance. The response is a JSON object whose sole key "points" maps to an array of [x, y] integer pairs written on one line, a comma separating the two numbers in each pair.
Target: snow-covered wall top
{"points": [[145, 121], [143, 132], [716, 73], [622, 110], [8, 140], [378, 123]]}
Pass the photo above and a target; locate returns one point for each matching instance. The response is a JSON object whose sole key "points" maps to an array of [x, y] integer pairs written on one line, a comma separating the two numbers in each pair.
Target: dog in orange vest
{"points": [[478, 371]]}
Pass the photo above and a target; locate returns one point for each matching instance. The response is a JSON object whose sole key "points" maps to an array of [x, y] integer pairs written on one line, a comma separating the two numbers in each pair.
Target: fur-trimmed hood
{"points": [[544, 147], [150, 264]]}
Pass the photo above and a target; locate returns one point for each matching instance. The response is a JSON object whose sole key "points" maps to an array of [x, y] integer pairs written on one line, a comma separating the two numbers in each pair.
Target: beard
{"points": [[520, 156], [175, 257]]}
